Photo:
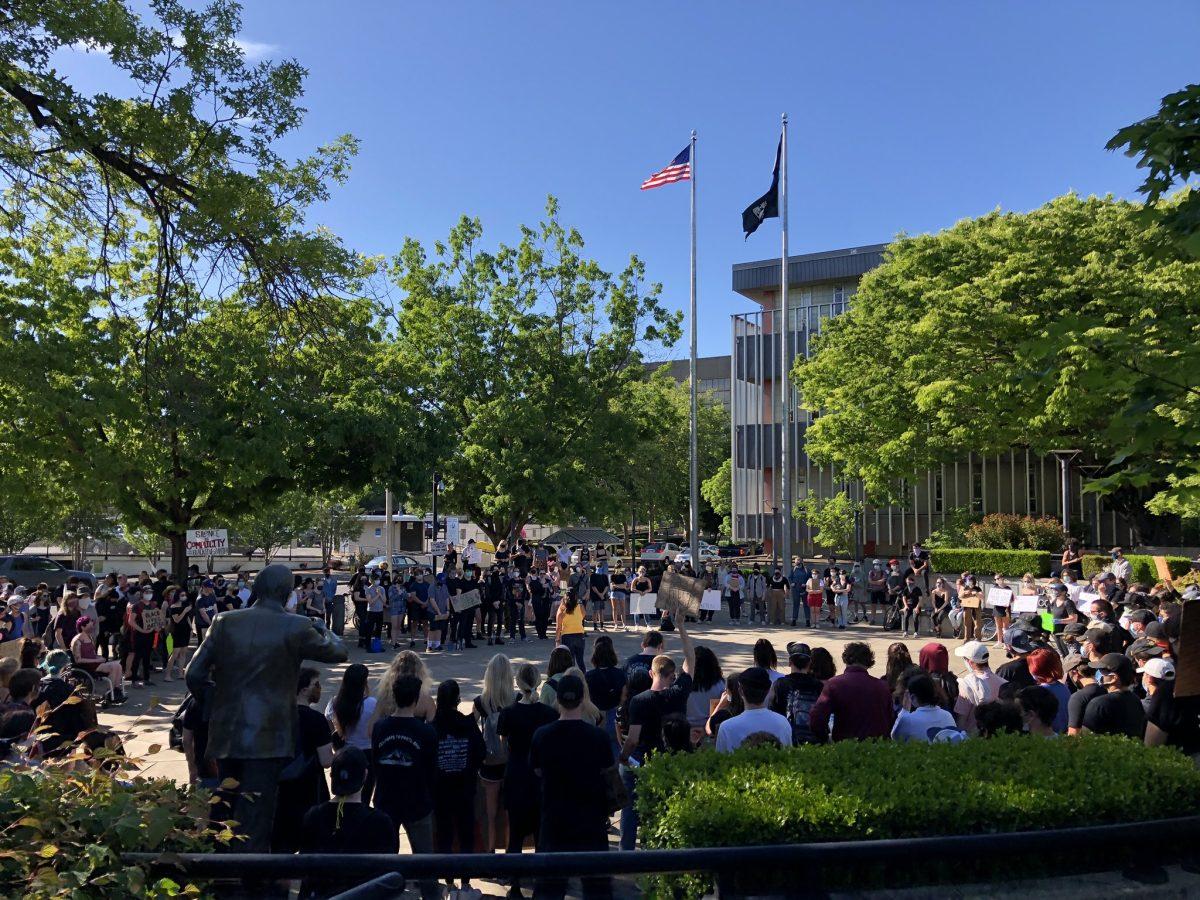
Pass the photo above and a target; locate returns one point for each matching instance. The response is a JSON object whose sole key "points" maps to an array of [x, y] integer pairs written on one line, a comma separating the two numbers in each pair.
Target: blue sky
{"points": [[904, 116]]}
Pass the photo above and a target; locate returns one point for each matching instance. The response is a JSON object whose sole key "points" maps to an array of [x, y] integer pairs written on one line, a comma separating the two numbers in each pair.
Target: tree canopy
{"points": [[521, 352], [1075, 325]]}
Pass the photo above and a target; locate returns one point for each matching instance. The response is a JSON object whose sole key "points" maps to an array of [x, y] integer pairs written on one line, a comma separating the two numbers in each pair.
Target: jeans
{"points": [[842, 602], [799, 604], [420, 838], [629, 815], [493, 619], [909, 614], [516, 618], [574, 643], [374, 626]]}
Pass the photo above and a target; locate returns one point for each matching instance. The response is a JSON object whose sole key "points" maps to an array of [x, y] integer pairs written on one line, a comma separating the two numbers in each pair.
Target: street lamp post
{"points": [[437, 484]]}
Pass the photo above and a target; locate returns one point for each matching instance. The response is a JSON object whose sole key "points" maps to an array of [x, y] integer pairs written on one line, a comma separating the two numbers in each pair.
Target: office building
{"points": [[712, 376]]}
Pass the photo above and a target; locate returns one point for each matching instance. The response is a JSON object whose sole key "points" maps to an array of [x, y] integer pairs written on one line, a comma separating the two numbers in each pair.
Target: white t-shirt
{"points": [[975, 688], [922, 724], [734, 731], [360, 734]]}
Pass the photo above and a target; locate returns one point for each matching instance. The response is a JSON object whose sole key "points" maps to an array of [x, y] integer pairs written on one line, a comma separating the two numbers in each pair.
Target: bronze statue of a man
{"points": [[252, 658]]}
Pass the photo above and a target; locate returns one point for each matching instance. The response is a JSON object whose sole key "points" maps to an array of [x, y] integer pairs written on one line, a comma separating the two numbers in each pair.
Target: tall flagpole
{"points": [[694, 474], [783, 382]]}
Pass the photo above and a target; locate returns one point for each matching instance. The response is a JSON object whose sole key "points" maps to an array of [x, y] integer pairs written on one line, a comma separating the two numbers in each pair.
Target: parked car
{"points": [[661, 550], [30, 571], [400, 563], [732, 549], [708, 553]]}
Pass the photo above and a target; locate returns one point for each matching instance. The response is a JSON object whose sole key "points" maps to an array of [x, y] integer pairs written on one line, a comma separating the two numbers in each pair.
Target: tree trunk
{"points": [[179, 557]]}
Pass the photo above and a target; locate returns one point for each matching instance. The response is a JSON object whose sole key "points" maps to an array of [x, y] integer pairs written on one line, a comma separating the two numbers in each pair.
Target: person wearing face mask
{"points": [[141, 638], [777, 589], [797, 578], [756, 590], [895, 585], [1121, 568], [970, 597], [1118, 710], [1081, 681]]}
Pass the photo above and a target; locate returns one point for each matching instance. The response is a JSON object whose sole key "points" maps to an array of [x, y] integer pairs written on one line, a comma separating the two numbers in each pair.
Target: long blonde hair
{"points": [[498, 690], [591, 712], [405, 663]]}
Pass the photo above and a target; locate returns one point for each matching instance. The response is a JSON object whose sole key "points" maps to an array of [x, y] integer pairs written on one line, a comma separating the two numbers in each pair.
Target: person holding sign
{"points": [[641, 586], [970, 596], [1000, 600]]}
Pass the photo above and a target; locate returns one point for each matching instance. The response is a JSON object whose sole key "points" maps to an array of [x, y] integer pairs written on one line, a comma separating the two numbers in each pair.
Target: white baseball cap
{"points": [[975, 651], [1162, 669]]}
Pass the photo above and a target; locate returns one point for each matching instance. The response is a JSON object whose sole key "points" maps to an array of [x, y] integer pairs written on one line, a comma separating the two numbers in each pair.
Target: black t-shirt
{"points": [[639, 662], [912, 595], [599, 583], [777, 583], [605, 686], [460, 749], [1116, 712], [522, 562], [517, 725], [1017, 672], [405, 760], [352, 828], [895, 584], [571, 757], [313, 732], [1078, 703], [918, 558], [1179, 717], [649, 708]]}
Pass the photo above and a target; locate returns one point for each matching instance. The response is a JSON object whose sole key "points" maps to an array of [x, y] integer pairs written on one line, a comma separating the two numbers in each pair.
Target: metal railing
{"points": [[728, 864]]}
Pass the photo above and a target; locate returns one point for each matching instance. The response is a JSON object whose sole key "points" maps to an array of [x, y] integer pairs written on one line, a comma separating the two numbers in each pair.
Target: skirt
{"points": [[815, 599]]}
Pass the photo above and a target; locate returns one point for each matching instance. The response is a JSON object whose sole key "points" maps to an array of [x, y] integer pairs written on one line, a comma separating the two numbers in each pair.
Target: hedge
{"points": [[880, 789], [1144, 570], [1011, 563]]}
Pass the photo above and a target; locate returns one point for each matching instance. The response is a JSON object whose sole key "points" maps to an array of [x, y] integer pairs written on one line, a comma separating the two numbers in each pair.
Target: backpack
{"points": [[497, 751], [799, 704]]}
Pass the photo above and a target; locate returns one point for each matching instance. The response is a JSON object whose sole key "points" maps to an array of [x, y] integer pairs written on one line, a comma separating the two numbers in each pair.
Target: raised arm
{"points": [[689, 649]]}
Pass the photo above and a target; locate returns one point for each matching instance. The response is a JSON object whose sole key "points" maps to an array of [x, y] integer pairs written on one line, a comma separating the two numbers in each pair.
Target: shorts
{"points": [[599, 605], [815, 599], [417, 613], [397, 607], [492, 771]]}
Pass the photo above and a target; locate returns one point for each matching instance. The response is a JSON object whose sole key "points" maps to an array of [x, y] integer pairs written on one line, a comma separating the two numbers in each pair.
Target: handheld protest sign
{"points": [[680, 593], [1187, 662]]}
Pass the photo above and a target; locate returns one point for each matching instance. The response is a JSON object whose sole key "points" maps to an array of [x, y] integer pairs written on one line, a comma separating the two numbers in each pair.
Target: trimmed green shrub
{"points": [[65, 833], [1011, 563], [1004, 531], [1144, 570], [880, 789]]}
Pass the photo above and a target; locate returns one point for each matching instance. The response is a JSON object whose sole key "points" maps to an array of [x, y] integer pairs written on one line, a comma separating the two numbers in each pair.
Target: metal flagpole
{"points": [[783, 381], [694, 474]]}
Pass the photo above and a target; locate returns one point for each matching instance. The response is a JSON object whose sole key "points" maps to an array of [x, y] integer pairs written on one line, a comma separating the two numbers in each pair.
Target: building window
{"points": [[378, 532], [938, 502]]}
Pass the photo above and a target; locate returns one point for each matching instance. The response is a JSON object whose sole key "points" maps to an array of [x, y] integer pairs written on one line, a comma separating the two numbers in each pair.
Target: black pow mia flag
{"points": [[766, 206]]}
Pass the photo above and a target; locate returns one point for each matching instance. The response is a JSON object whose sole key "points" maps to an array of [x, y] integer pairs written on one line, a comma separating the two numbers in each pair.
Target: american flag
{"points": [[680, 169]]}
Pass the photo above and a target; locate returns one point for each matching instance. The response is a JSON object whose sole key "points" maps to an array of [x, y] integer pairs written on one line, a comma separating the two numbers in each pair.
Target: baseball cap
{"points": [[1057, 586], [348, 773], [975, 651], [1115, 662], [1076, 629], [1156, 631], [1158, 668], [1095, 636], [1029, 624], [1017, 640], [1073, 662], [1144, 647], [569, 691], [799, 651]]}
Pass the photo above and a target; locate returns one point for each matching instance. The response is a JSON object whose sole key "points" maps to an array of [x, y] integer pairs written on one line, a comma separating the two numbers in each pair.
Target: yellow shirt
{"points": [[572, 622]]}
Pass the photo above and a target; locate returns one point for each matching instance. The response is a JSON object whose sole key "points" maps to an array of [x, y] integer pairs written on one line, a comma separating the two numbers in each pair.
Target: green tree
{"points": [[82, 523], [336, 517], [718, 492], [189, 344], [276, 524], [147, 545], [832, 520], [1075, 324], [520, 353], [1167, 145]]}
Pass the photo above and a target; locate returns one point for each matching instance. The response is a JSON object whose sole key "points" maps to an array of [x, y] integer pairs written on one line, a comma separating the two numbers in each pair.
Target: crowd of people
{"points": [[548, 755]]}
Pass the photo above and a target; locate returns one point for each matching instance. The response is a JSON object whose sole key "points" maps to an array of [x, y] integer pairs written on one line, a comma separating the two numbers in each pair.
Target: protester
{"points": [[1045, 667], [87, 656], [793, 695], [1118, 710], [568, 624], [498, 694], [460, 753], [404, 750], [766, 658], [708, 684], [352, 712], [1039, 711], [606, 682], [406, 662], [920, 717], [934, 659], [860, 705], [979, 685], [754, 684], [970, 597], [998, 717], [570, 757], [302, 783]]}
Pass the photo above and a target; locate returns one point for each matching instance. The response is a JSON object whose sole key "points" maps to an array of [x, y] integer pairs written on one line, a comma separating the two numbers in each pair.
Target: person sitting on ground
{"points": [[1170, 720], [1047, 671], [766, 659], [54, 689], [652, 643], [860, 704], [1081, 680], [998, 717], [793, 695], [755, 684], [934, 658], [1117, 711], [1039, 710], [920, 717], [22, 690], [978, 686]]}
